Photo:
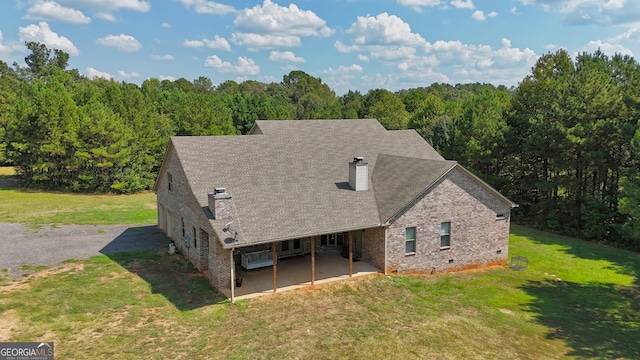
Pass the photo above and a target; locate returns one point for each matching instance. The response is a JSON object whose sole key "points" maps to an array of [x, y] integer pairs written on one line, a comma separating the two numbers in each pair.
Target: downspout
{"points": [[385, 250], [233, 275]]}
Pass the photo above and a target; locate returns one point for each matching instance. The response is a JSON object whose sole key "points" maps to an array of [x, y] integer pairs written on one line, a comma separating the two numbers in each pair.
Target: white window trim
{"points": [[415, 235], [445, 247]]}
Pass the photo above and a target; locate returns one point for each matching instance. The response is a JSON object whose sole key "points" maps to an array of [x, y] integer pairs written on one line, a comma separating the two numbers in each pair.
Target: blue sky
{"points": [[349, 44]]}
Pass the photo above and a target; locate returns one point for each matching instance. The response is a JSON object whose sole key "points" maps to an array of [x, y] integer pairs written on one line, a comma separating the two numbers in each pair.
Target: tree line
{"points": [[564, 144]]}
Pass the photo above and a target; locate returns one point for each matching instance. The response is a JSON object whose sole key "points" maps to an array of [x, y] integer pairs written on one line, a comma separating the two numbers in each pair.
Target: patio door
{"points": [[291, 247]]}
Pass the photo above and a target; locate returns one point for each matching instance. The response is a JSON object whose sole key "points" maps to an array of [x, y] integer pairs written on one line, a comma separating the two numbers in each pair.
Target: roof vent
{"points": [[358, 174]]}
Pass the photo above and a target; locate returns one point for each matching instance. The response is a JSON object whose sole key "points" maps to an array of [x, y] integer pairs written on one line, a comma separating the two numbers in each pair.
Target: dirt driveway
{"points": [[50, 246]]}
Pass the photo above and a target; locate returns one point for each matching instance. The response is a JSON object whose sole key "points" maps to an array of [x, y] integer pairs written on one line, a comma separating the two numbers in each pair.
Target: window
{"points": [[195, 240], [183, 230], [410, 240], [332, 239], [445, 234], [500, 217], [170, 181]]}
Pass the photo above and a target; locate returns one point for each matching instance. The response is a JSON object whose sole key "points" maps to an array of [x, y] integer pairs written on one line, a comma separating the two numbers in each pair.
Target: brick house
{"points": [[343, 187]]}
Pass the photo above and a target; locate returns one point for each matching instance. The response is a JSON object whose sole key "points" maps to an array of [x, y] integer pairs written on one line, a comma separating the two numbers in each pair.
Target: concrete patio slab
{"points": [[294, 273]]}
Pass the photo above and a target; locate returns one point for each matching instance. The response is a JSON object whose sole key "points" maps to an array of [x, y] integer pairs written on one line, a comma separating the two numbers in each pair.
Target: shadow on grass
{"points": [[626, 262], [8, 182], [141, 250], [596, 320]]}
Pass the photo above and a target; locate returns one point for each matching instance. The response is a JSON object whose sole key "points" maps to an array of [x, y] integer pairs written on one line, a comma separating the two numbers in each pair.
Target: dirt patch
{"points": [[114, 275], [25, 282], [8, 321]]}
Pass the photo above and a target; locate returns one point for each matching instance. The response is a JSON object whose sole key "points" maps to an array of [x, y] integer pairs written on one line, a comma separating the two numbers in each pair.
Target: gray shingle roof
{"points": [[289, 180], [399, 180]]}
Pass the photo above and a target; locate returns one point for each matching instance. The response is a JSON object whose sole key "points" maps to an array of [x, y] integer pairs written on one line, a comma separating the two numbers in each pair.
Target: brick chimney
{"points": [[358, 174], [220, 203]]}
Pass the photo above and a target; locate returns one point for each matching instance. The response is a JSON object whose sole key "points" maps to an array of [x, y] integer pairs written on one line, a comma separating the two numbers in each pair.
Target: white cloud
{"points": [[350, 68], [166, 77], [106, 16], [618, 44], [383, 29], [602, 12], [606, 47], [110, 5], [346, 48], [8, 48], [285, 56], [270, 26], [50, 10], [217, 43], [42, 33], [385, 38], [339, 79], [125, 75], [120, 42], [417, 5], [104, 9], [244, 65], [480, 15], [94, 73], [389, 40], [257, 41], [633, 34], [391, 53], [162, 57], [353, 68], [463, 4], [208, 7], [468, 62], [166, 25]]}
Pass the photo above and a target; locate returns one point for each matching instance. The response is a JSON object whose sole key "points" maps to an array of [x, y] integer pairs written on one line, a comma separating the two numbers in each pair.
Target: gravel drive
{"points": [[50, 246]]}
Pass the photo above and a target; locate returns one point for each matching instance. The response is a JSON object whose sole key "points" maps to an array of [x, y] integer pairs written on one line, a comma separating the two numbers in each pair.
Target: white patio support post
{"points": [[350, 254], [233, 276], [274, 255], [313, 260]]}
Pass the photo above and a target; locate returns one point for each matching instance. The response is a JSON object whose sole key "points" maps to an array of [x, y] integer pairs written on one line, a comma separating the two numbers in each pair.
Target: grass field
{"points": [[576, 300], [35, 207], [7, 171]]}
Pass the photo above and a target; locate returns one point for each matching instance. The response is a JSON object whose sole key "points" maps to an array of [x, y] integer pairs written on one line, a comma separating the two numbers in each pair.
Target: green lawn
{"points": [[35, 207], [576, 300]]}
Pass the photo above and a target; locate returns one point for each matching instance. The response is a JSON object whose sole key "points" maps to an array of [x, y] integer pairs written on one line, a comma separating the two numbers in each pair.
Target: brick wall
{"points": [[373, 247], [478, 237], [219, 265], [177, 204]]}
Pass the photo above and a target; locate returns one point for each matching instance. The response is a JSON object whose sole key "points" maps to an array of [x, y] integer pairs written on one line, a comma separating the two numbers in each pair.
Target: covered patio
{"points": [[295, 272]]}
